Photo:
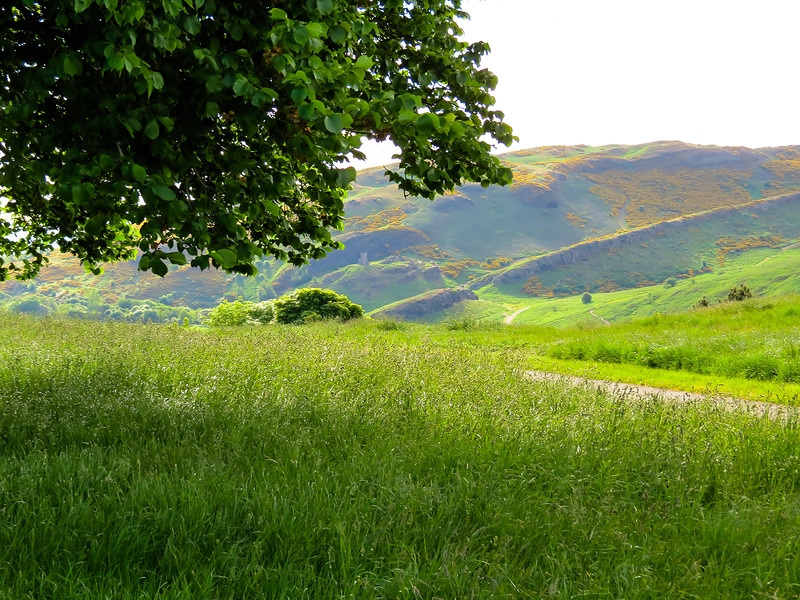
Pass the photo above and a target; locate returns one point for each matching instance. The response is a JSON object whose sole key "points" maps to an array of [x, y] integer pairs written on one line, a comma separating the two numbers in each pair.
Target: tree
{"points": [[215, 131], [586, 298], [313, 304]]}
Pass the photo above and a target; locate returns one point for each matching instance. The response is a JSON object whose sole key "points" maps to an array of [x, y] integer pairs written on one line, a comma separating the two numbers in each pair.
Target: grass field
{"points": [[747, 350], [369, 460]]}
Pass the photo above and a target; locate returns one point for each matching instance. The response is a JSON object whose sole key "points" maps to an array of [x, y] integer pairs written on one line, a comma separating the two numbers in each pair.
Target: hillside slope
{"points": [[575, 218]]}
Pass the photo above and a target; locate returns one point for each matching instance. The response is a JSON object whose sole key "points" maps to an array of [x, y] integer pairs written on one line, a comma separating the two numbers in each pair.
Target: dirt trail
{"points": [[640, 392], [510, 318], [591, 312]]}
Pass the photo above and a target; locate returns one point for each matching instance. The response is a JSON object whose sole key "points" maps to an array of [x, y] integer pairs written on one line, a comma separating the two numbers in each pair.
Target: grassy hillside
{"points": [[561, 197], [768, 272], [365, 461]]}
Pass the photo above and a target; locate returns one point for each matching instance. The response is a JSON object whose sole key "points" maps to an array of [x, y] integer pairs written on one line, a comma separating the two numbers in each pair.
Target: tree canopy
{"points": [[216, 132]]}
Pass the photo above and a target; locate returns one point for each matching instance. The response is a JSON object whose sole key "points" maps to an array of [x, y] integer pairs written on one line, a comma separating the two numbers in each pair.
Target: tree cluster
{"points": [[302, 306]]}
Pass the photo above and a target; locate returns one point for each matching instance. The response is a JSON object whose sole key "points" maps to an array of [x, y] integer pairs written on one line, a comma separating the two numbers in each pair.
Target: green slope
{"points": [[767, 271], [562, 197]]}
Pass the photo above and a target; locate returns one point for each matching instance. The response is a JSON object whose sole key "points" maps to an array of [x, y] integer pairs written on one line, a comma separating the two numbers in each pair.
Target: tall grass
{"points": [[756, 339], [335, 461]]}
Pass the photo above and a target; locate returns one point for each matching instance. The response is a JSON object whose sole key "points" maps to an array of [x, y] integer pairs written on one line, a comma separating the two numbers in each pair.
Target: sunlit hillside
{"points": [[575, 219]]}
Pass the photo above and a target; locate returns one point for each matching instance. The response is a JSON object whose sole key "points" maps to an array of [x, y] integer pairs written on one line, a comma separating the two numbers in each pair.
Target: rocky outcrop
{"points": [[431, 302]]}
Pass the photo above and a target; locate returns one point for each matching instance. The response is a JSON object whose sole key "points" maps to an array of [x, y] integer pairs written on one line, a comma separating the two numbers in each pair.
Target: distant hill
{"points": [[576, 218]]}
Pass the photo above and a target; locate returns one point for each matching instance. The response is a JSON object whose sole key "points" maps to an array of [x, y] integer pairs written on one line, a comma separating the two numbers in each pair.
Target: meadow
{"points": [[369, 460]]}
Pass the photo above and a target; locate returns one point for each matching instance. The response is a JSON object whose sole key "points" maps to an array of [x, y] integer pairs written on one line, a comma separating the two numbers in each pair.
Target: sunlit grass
{"points": [[369, 461]]}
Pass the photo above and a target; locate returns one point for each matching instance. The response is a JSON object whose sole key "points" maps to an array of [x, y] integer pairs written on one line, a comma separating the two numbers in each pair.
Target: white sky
{"points": [[722, 72]]}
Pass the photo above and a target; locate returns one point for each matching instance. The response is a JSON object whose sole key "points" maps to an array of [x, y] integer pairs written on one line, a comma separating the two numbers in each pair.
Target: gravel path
{"points": [[510, 318], [773, 411]]}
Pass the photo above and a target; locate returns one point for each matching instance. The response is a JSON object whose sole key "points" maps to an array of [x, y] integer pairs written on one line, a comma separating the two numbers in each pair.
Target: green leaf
{"points": [[241, 86], [151, 130], [72, 66], [276, 14], [334, 123], [324, 7], [94, 226], [345, 177], [300, 35], [315, 30], [176, 258], [225, 258], [212, 109], [214, 83], [338, 34], [406, 116], [81, 5], [115, 61], [259, 99], [163, 192], [299, 94], [106, 162], [139, 173], [364, 62], [191, 24], [80, 194], [158, 267], [158, 80], [427, 123], [306, 111], [167, 123]]}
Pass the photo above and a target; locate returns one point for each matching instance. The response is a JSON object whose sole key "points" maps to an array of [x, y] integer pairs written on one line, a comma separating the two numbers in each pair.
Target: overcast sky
{"points": [[633, 71]]}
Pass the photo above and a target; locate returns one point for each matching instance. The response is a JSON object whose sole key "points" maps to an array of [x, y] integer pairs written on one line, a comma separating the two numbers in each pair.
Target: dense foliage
{"points": [[240, 313], [213, 132], [313, 304]]}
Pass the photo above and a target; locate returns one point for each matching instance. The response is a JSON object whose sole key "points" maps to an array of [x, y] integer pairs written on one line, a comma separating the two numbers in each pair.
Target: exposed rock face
{"points": [[432, 274], [585, 250], [430, 303]]}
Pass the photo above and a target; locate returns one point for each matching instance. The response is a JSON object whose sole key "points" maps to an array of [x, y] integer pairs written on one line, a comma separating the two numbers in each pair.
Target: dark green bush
{"points": [[739, 293], [314, 304]]}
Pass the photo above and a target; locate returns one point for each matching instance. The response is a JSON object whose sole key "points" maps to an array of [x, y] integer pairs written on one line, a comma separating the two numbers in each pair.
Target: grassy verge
{"points": [[735, 387], [364, 461]]}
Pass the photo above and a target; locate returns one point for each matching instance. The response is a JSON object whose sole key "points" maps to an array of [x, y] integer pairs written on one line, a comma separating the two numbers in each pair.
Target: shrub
{"points": [[586, 298], [461, 323], [241, 313], [391, 325], [261, 312], [229, 313], [670, 282], [30, 306], [739, 293], [312, 304]]}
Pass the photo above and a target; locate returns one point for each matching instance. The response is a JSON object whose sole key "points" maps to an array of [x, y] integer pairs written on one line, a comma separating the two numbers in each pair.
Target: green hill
{"points": [[575, 219]]}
